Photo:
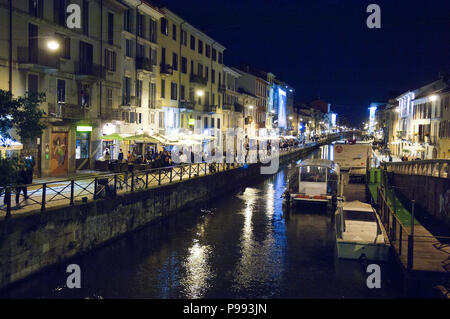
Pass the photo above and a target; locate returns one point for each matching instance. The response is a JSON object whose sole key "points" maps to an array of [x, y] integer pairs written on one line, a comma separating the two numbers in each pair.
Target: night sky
{"points": [[324, 48]]}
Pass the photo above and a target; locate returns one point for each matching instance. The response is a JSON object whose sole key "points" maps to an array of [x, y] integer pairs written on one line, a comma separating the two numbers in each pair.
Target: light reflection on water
{"points": [[237, 246]]}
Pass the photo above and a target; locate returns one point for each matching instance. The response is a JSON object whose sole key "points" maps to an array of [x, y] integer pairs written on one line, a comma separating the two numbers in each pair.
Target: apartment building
{"points": [[232, 111], [76, 68], [139, 36], [190, 75]]}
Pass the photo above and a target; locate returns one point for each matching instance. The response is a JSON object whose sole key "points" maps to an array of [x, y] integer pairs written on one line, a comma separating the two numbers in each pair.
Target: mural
{"points": [[59, 161]]}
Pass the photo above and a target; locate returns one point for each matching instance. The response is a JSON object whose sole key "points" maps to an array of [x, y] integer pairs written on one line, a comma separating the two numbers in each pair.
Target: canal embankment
{"points": [[34, 241]]}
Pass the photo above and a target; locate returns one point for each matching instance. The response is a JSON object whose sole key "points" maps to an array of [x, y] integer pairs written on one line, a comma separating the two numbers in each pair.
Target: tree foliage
{"points": [[21, 113]]}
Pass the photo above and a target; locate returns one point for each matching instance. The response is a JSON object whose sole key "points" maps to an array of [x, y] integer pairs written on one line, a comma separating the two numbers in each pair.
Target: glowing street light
{"points": [[250, 107], [433, 97], [200, 93], [53, 45]]}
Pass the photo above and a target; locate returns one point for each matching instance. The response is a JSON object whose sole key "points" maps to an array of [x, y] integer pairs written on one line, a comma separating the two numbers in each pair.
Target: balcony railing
{"points": [[221, 88], [38, 57], [228, 107], [165, 69], [109, 114], [90, 69], [238, 108], [194, 78], [144, 64], [187, 104], [67, 111]]}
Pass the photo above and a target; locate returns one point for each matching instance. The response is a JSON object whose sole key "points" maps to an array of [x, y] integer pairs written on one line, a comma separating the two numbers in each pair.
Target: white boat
{"points": [[315, 180], [360, 233]]}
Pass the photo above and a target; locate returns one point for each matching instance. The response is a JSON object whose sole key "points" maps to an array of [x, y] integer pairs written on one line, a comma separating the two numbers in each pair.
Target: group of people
{"points": [[24, 177]]}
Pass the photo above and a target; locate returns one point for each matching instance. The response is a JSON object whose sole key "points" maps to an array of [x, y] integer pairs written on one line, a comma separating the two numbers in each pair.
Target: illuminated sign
{"points": [[191, 121], [84, 128]]}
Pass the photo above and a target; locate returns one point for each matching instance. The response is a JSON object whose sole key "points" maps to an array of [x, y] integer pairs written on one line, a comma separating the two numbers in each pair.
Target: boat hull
{"points": [[352, 250]]}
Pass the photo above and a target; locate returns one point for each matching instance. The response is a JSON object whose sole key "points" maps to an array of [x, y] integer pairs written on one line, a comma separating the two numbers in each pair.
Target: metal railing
{"points": [[435, 168], [27, 55], [67, 111], [41, 196]]}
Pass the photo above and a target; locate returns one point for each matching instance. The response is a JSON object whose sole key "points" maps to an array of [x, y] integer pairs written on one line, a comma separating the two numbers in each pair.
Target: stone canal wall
{"points": [[32, 242]]}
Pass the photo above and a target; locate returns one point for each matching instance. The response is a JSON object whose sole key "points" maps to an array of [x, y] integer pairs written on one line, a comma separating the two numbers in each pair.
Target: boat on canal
{"points": [[314, 181], [359, 232]]}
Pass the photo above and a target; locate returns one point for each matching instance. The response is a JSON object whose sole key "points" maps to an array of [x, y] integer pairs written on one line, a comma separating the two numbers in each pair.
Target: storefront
{"points": [[82, 147]]}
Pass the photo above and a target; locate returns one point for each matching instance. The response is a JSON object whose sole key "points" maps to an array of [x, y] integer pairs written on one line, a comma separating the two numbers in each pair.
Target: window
{"points": [[200, 70], [205, 122], [200, 46], [163, 89], [32, 84], [220, 57], [208, 51], [183, 65], [85, 17], [192, 67], [154, 56], [109, 99], [163, 56], [61, 91], [84, 95], [152, 95], [110, 28], [164, 26], [192, 42], [206, 73], [173, 91], [129, 48], [152, 30], [218, 123], [140, 51], [213, 76], [140, 25], [183, 37], [207, 98], [59, 12], [161, 119], [36, 8], [140, 118], [82, 145], [110, 60], [126, 94], [139, 93], [128, 21], [214, 54], [175, 61], [182, 92], [174, 32]]}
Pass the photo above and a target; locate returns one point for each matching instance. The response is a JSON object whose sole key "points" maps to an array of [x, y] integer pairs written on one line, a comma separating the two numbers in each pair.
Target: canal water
{"points": [[238, 246]]}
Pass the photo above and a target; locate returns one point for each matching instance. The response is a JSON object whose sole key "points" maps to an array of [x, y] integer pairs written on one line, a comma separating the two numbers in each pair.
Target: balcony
{"points": [[185, 104], [402, 134], [198, 79], [109, 114], [89, 70], [128, 100], [210, 108], [37, 59], [144, 64], [222, 88], [67, 111], [165, 69], [228, 107], [238, 108]]}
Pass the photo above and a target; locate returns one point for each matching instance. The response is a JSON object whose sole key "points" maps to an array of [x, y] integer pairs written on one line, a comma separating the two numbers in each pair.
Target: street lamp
{"points": [[200, 92], [53, 45], [250, 107], [433, 97]]}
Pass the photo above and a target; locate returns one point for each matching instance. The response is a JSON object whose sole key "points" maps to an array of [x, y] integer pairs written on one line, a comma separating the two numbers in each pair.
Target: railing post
{"points": [[44, 186], [95, 188], [190, 170], [181, 172], [170, 176], [132, 181], [115, 184], [72, 188], [159, 177], [410, 262], [146, 179]]}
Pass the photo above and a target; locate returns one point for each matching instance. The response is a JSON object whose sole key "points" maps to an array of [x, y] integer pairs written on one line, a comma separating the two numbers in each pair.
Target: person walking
{"points": [[22, 181], [120, 158]]}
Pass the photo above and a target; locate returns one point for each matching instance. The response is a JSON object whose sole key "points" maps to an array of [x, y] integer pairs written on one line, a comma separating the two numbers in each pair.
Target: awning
{"points": [[13, 146], [196, 137], [143, 138], [114, 136]]}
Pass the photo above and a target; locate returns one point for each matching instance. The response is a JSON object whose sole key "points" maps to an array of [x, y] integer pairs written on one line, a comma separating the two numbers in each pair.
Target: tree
{"points": [[24, 116]]}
